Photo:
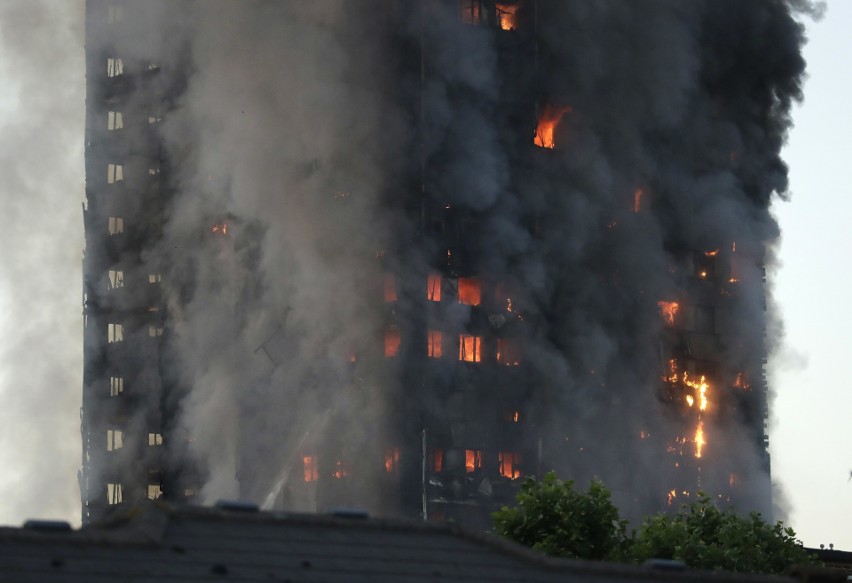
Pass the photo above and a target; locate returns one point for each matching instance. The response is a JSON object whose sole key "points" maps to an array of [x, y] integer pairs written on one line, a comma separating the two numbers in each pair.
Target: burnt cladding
{"points": [[402, 254]]}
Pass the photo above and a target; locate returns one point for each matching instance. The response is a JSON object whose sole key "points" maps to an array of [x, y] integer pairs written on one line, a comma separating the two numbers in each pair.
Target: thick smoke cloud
{"points": [[41, 164], [326, 136]]}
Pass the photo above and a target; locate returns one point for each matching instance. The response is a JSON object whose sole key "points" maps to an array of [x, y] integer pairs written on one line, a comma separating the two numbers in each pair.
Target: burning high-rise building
{"points": [[401, 254]]}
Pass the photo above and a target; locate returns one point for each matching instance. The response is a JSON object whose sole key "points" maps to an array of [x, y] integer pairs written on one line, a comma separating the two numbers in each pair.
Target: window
{"points": [[437, 460], [433, 346], [507, 14], [310, 465], [470, 348], [155, 439], [115, 333], [115, 120], [115, 67], [509, 465], [115, 173], [115, 14], [470, 11], [154, 491], [390, 288], [433, 287], [116, 225], [472, 460], [470, 291], [392, 340], [155, 277], [114, 494], [116, 386], [154, 331], [115, 439], [392, 460], [507, 352], [116, 278]]}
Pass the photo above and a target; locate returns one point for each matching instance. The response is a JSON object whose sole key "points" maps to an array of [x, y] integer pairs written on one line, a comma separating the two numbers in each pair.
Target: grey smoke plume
{"points": [[338, 141], [41, 165]]}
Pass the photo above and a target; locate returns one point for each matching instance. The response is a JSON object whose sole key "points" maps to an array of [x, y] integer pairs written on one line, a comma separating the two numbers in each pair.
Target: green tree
{"points": [[553, 518], [704, 537]]}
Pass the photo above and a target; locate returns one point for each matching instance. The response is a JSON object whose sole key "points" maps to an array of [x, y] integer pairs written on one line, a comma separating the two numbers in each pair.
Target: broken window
{"points": [[116, 278], [115, 67], [116, 386], [115, 494], [470, 348], [154, 331], [155, 277], [115, 13], [392, 460], [510, 465], [470, 12], [433, 344], [155, 439], [310, 465], [154, 491], [437, 460], [115, 173], [470, 291], [433, 287], [390, 288], [115, 120], [115, 333], [392, 340], [115, 439], [508, 352], [472, 460], [116, 225]]}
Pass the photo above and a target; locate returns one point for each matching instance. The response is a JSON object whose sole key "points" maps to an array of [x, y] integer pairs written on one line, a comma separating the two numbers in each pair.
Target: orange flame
{"points": [[507, 15], [509, 463], [741, 381], [339, 470], [547, 123], [434, 344], [699, 439], [219, 228], [470, 291], [668, 310], [310, 466], [391, 459], [472, 460], [637, 199]]}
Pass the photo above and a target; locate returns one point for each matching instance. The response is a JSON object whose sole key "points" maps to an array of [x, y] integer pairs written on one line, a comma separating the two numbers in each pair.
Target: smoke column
{"points": [[330, 139]]}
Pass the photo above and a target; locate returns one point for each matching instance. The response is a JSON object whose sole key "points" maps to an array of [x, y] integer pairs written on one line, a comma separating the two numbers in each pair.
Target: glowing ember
{"points": [[547, 123], [219, 228], [668, 310], [516, 416], [637, 199], [507, 15], [472, 460]]}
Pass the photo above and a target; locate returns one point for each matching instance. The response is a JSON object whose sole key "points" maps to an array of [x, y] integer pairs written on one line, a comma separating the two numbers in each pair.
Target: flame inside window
{"points": [[741, 382], [668, 310], [508, 352], [433, 344], [310, 466], [390, 288], [472, 460], [433, 287], [507, 13], [392, 340], [437, 460], [470, 291], [391, 459], [340, 470], [509, 465], [470, 348], [548, 121]]}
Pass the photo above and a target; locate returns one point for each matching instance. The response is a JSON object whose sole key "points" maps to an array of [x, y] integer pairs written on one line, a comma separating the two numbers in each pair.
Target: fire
{"points": [[668, 310], [472, 460], [712, 253], [509, 463], [701, 386], [470, 348], [339, 470], [671, 496], [547, 122], [219, 228], [690, 400], [507, 352], [433, 287], [637, 199], [672, 372], [470, 291], [507, 14], [434, 348], [391, 459], [392, 341], [438, 460], [310, 466], [741, 381], [699, 439], [516, 416], [644, 435]]}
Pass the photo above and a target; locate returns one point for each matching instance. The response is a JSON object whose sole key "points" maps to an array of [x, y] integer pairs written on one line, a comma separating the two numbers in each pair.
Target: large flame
{"points": [[699, 439], [507, 14], [547, 122], [668, 310]]}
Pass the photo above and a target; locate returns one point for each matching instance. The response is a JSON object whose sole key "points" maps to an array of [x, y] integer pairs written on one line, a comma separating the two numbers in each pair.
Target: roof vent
{"points": [[352, 513], [48, 525], [237, 506]]}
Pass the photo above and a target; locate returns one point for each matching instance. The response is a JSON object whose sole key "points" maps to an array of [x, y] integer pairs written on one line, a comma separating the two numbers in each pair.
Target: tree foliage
{"points": [[552, 517]]}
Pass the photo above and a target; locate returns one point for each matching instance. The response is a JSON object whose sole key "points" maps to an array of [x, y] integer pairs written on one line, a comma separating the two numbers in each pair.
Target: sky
{"points": [[42, 106]]}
